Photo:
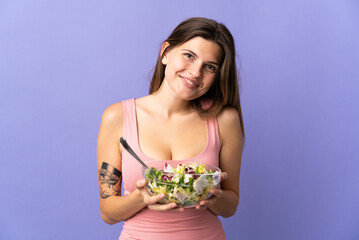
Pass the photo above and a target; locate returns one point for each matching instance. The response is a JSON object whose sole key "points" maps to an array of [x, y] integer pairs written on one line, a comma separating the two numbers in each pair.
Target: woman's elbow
{"points": [[230, 213], [107, 219], [233, 210]]}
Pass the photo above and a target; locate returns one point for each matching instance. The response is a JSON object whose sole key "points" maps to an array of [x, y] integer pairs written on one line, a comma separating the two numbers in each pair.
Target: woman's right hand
{"points": [[152, 201]]}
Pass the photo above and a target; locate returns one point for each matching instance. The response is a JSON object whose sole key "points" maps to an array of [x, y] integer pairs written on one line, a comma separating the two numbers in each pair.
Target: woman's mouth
{"points": [[189, 83]]}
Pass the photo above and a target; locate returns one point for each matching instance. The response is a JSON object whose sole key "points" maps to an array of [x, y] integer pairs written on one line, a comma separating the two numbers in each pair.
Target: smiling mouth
{"points": [[193, 83]]}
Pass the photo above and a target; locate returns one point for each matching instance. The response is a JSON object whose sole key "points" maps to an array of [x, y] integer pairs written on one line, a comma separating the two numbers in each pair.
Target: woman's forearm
{"points": [[226, 206], [119, 208]]}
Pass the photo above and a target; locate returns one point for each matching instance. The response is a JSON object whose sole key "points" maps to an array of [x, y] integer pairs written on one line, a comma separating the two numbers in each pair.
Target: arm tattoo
{"points": [[109, 180]]}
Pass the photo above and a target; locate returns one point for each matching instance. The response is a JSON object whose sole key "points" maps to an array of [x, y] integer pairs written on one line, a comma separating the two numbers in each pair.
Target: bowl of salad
{"points": [[185, 184]]}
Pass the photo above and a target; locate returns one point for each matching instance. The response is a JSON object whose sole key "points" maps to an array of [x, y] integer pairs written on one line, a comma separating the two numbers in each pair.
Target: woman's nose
{"points": [[196, 70]]}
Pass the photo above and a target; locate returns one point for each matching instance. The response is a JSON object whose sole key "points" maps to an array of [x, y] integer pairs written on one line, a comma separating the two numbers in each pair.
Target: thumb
{"points": [[224, 176], [141, 183]]}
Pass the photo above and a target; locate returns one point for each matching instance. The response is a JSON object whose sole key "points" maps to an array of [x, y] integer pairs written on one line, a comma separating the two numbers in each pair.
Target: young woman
{"points": [[192, 114]]}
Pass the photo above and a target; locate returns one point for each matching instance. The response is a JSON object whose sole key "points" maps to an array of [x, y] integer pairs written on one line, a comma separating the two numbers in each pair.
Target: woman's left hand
{"points": [[216, 192]]}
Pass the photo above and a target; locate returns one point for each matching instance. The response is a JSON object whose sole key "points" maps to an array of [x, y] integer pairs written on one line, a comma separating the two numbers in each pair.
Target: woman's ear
{"points": [[164, 52]]}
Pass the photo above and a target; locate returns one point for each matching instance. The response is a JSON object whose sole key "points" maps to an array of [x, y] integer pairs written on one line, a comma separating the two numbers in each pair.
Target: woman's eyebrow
{"points": [[194, 54]]}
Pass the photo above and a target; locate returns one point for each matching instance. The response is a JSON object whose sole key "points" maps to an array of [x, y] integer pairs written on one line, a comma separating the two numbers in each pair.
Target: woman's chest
{"points": [[171, 140]]}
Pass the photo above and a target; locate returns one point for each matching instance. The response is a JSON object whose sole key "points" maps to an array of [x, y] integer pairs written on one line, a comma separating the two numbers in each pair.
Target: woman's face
{"points": [[192, 67]]}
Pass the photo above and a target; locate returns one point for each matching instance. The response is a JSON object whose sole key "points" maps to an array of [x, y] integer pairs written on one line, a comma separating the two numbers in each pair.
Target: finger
{"points": [[180, 209], [202, 206], [162, 207], [217, 192], [199, 207], [177, 209], [155, 199], [224, 176], [206, 203], [141, 183]]}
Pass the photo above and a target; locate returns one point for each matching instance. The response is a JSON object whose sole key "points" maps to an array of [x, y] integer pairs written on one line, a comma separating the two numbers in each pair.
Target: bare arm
{"points": [[230, 163], [114, 207]]}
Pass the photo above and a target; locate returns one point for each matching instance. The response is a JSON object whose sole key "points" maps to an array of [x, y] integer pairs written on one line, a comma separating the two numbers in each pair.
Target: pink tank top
{"points": [[147, 224]]}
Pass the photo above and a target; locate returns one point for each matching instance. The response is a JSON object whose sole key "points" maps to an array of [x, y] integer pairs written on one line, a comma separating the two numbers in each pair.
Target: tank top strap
{"points": [[214, 140], [129, 122]]}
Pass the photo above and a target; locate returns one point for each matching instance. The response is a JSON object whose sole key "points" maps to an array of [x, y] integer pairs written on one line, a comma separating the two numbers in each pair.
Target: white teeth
{"points": [[190, 82]]}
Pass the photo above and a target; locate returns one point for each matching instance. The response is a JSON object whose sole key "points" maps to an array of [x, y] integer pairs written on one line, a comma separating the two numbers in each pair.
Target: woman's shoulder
{"points": [[228, 122], [228, 116], [113, 114]]}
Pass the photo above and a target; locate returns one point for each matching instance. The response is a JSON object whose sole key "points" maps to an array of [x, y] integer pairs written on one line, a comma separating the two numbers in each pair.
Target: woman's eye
{"points": [[211, 67], [188, 55]]}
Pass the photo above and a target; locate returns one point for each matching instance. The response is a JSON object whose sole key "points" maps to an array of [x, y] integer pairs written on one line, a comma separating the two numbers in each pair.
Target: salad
{"points": [[186, 185]]}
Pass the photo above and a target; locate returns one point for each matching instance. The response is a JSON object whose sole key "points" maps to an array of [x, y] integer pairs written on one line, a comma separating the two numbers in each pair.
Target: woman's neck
{"points": [[168, 104]]}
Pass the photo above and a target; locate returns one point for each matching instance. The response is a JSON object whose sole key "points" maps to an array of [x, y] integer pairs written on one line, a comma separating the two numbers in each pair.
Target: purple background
{"points": [[63, 62]]}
